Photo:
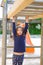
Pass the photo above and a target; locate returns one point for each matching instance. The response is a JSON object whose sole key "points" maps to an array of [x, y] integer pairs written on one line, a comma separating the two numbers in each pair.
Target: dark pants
{"points": [[18, 59]]}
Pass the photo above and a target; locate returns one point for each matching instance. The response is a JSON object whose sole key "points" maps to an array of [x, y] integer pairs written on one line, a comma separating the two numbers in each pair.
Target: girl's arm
{"points": [[26, 25], [14, 27]]}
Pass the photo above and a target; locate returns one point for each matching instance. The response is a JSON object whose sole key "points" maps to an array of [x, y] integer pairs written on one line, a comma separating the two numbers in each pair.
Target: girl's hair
{"points": [[21, 28]]}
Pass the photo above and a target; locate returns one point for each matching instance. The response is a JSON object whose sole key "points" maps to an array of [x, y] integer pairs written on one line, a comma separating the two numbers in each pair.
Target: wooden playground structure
{"points": [[31, 8]]}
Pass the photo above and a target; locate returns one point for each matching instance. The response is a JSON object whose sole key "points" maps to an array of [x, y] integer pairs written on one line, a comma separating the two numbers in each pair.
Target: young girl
{"points": [[19, 34]]}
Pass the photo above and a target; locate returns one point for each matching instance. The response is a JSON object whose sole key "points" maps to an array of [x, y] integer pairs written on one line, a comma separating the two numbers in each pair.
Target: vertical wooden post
{"points": [[4, 37], [42, 42]]}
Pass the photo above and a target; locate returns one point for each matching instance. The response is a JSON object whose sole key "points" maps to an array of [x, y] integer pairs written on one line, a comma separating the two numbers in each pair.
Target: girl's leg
{"points": [[20, 59], [14, 59]]}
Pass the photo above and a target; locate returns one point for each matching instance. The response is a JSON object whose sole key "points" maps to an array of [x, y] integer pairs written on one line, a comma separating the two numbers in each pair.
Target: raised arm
{"points": [[14, 27], [26, 25]]}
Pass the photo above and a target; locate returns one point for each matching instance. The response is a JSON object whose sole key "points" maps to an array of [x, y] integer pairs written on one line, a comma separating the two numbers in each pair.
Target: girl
{"points": [[19, 34]]}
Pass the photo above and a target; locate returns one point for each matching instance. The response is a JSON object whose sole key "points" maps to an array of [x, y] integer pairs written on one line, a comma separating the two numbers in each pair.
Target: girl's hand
{"points": [[13, 19], [27, 17]]}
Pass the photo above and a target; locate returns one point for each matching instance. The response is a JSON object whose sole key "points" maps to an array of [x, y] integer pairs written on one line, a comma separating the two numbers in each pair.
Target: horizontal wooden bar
{"points": [[26, 46], [18, 6], [37, 16], [38, 3], [25, 57]]}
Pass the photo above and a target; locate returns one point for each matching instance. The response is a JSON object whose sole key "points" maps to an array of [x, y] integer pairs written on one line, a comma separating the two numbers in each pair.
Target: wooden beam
{"points": [[32, 16], [28, 12], [38, 3], [32, 10], [34, 7], [37, 16], [41, 42], [18, 6]]}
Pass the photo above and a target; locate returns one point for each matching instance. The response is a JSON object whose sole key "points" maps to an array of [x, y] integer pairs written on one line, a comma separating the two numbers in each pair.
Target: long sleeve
{"points": [[14, 29], [26, 27]]}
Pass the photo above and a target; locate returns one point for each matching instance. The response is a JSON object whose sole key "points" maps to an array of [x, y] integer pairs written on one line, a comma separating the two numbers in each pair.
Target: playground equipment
{"points": [[29, 42], [22, 8]]}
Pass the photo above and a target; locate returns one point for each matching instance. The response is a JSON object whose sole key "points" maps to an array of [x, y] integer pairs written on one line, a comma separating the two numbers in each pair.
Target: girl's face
{"points": [[19, 31]]}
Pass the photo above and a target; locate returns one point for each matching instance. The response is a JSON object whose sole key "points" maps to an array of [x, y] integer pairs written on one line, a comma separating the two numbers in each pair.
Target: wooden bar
{"points": [[18, 6]]}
